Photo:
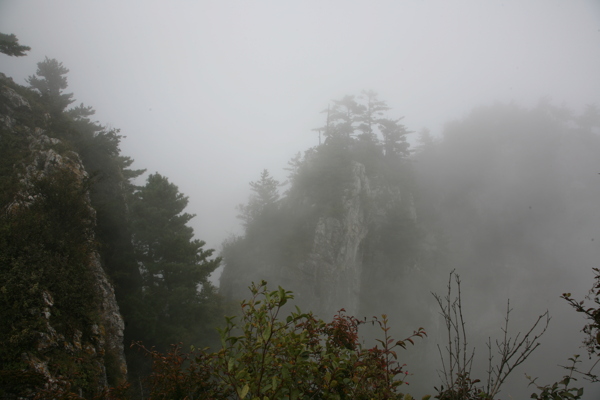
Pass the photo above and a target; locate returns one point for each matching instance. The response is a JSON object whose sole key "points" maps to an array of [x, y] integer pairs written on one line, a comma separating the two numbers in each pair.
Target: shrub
{"points": [[296, 357]]}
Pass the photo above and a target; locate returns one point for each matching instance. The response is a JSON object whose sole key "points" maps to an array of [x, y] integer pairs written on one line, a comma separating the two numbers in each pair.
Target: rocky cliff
{"points": [[334, 266], [61, 323], [342, 237]]}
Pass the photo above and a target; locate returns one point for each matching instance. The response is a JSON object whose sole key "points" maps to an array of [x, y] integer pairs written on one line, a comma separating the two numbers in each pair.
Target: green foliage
{"points": [[168, 298], [267, 356], [13, 150], [110, 186], [263, 199], [380, 146], [463, 388], [394, 140], [177, 303], [591, 342], [326, 172], [276, 234], [183, 275], [591, 313], [9, 45], [370, 114], [46, 286], [179, 375], [50, 81], [49, 302], [110, 192], [53, 230], [348, 116], [278, 240], [559, 390]]}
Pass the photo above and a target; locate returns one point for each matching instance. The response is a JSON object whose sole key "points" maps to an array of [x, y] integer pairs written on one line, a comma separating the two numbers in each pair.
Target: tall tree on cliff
{"points": [[371, 113], [50, 82], [394, 137], [110, 191], [342, 190], [110, 175], [342, 118], [178, 303], [264, 197]]}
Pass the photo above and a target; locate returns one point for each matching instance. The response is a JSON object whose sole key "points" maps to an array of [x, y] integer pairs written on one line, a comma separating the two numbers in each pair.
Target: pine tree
{"points": [[110, 190], [178, 302], [264, 197], [110, 180], [50, 82], [9, 45], [371, 114], [394, 137], [342, 118]]}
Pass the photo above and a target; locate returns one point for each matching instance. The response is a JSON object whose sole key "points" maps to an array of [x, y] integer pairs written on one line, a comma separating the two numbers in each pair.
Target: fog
{"points": [[211, 93], [516, 191]]}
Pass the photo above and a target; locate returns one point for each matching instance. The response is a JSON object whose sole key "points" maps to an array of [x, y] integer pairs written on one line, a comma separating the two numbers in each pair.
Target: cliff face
{"points": [[334, 247], [334, 266], [62, 326]]}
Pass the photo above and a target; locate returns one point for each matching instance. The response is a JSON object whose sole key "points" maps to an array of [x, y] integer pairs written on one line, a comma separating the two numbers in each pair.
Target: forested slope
{"points": [[85, 254]]}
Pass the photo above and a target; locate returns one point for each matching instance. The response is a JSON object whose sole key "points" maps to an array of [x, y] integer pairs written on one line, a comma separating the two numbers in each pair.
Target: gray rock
{"points": [[106, 340]]}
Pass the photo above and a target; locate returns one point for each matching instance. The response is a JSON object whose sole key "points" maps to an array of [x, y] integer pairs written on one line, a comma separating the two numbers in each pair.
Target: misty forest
{"points": [[389, 263]]}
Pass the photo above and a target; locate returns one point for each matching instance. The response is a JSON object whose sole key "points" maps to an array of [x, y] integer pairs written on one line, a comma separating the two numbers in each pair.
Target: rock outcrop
{"points": [[90, 342], [337, 245], [334, 266]]}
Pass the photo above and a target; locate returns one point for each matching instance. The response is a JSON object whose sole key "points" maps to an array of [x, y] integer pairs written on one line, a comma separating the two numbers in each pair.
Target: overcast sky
{"points": [[209, 93]]}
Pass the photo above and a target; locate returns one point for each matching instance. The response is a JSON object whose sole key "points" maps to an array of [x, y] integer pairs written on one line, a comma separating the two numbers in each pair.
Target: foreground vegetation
{"points": [[298, 356]]}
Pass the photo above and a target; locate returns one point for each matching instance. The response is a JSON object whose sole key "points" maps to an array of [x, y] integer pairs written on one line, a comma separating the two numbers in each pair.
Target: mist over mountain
{"points": [[211, 93], [510, 194], [506, 197], [362, 156]]}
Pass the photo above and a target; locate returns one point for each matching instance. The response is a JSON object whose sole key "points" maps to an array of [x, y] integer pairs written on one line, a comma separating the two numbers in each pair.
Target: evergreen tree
{"points": [[371, 114], [177, 300], [328, 184], [110, 191], [342, 117], [394, 137], [110, 181], [9, 45], [50, 82], [265, 196]]}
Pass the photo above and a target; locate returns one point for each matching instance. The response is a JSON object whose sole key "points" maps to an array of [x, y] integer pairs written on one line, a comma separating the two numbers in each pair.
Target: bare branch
{"points": [[457, 365]]}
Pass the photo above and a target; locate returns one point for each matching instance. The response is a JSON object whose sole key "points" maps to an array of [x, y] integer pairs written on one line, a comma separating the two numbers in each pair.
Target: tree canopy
{"points": [[50, 82], [9, 45], [176, 298]]}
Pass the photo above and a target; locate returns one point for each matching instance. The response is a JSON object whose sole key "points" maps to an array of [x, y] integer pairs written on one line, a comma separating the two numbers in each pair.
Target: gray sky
{"points": [[209, 93]]}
